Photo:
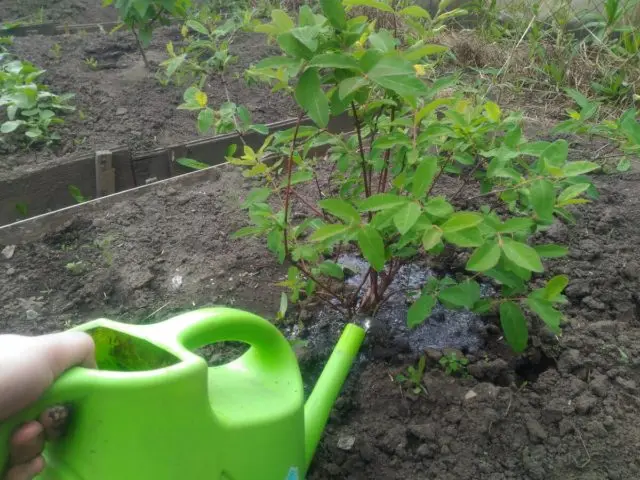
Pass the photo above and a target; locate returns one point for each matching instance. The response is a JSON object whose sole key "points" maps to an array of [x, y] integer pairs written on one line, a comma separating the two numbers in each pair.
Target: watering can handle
{"points": [[70, 387], [201, 327]]}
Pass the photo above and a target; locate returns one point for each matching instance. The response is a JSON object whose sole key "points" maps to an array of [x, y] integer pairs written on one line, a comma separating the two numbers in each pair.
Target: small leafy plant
{"points": [[453, 365], [28, 109], [142, 16], [388, 191], [413, 376]]}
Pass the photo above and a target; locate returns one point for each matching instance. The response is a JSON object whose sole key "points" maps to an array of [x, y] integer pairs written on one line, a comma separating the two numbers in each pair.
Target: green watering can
{"points": [[153, 410]]}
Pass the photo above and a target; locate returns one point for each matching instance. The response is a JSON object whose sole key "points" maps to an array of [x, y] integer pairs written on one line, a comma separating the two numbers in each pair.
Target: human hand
{"points": [[28, 367]]}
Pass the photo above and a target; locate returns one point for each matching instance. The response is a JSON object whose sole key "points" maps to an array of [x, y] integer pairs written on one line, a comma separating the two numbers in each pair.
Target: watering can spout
{"points": [[326, 391]]}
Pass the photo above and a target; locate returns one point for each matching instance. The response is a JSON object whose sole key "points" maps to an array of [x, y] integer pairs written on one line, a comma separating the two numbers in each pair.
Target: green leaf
{"points": [[191, 163], [282, 21], [492, 112], [407, 217], [573, 169], [484, 258], [311, 98], [431, 237], [331, 269], [174, 63], [471, 237], [372, 247], [335, 60], [383, 41], [418, 53], [551, 251], [197, 26], [334, 11], [514, 225], [307, 36], [368, 3], [423, 178], [631, 128], [465, 294], [341, 209], [462, 221], [205, 120], [277, 62], [420, 310], [555, 287], [328, 231], [10, 126], [522, 255], [543, 200], [350, 85], [514, 326], [624, 165], [292, 46], [256, 195], [556, 153], [414, 11], [381, 201], [544, 309], [573, 191], [438, 207], [397, 74], [299, 177]]}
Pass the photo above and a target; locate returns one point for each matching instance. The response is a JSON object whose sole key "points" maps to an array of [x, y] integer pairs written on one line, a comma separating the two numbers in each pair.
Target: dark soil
{"points": [[65, 12], [120, 102], [567, 409]]}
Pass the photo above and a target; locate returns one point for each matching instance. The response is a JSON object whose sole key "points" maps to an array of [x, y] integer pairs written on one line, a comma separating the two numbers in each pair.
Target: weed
{"points": [[56, 51], [77, 268], [91, 62], [30, 108], [413, 376], [453, 365], [77, 194]]}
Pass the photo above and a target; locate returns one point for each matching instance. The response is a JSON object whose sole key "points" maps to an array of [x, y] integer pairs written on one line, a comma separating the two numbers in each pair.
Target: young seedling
{"points": [[413, 376], [453, 365]]}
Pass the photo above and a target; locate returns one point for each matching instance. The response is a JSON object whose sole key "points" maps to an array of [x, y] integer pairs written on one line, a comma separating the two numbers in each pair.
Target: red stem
{"points": [[288, 191]]}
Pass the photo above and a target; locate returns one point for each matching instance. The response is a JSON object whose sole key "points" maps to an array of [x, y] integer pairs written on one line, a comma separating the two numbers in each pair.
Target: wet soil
{"points": [[567, 409], [120, 102]]}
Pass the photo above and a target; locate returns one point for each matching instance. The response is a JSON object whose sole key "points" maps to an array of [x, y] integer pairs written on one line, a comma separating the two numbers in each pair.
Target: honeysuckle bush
{"points": [[389, 193]]}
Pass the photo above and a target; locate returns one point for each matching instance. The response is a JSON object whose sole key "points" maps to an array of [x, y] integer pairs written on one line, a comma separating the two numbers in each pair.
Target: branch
{"points": [[367, 187], [288, 191]]}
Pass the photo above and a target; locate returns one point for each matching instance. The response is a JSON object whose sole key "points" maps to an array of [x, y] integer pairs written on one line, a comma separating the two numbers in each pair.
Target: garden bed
{"points": [[56, 11], [119, 102], [568, 409]]}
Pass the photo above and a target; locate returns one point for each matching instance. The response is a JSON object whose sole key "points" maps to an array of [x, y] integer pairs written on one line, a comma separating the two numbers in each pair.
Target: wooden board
{"points": [[57, 29], [47, 190]]}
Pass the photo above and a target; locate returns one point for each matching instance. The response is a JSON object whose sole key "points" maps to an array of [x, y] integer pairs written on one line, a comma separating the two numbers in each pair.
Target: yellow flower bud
{"points": [[420, 70]]}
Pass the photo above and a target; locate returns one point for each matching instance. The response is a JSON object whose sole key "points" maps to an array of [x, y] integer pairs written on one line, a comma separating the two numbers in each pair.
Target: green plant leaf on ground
{"points": [[311, 98], [334, 11], [397, 74], [462, 221], [543, 199], [484, 258], [514, 326], [420, 310], [465, 294], [544, 309], [372, 247], [522, 255], [407, 217], [341, 209]]}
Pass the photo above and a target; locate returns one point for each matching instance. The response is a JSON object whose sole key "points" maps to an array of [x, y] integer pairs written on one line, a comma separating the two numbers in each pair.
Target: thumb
{"points": [[65, 350]]}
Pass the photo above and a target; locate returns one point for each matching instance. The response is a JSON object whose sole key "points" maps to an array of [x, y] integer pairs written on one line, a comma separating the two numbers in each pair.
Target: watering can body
{"points": [[154, 410]]}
